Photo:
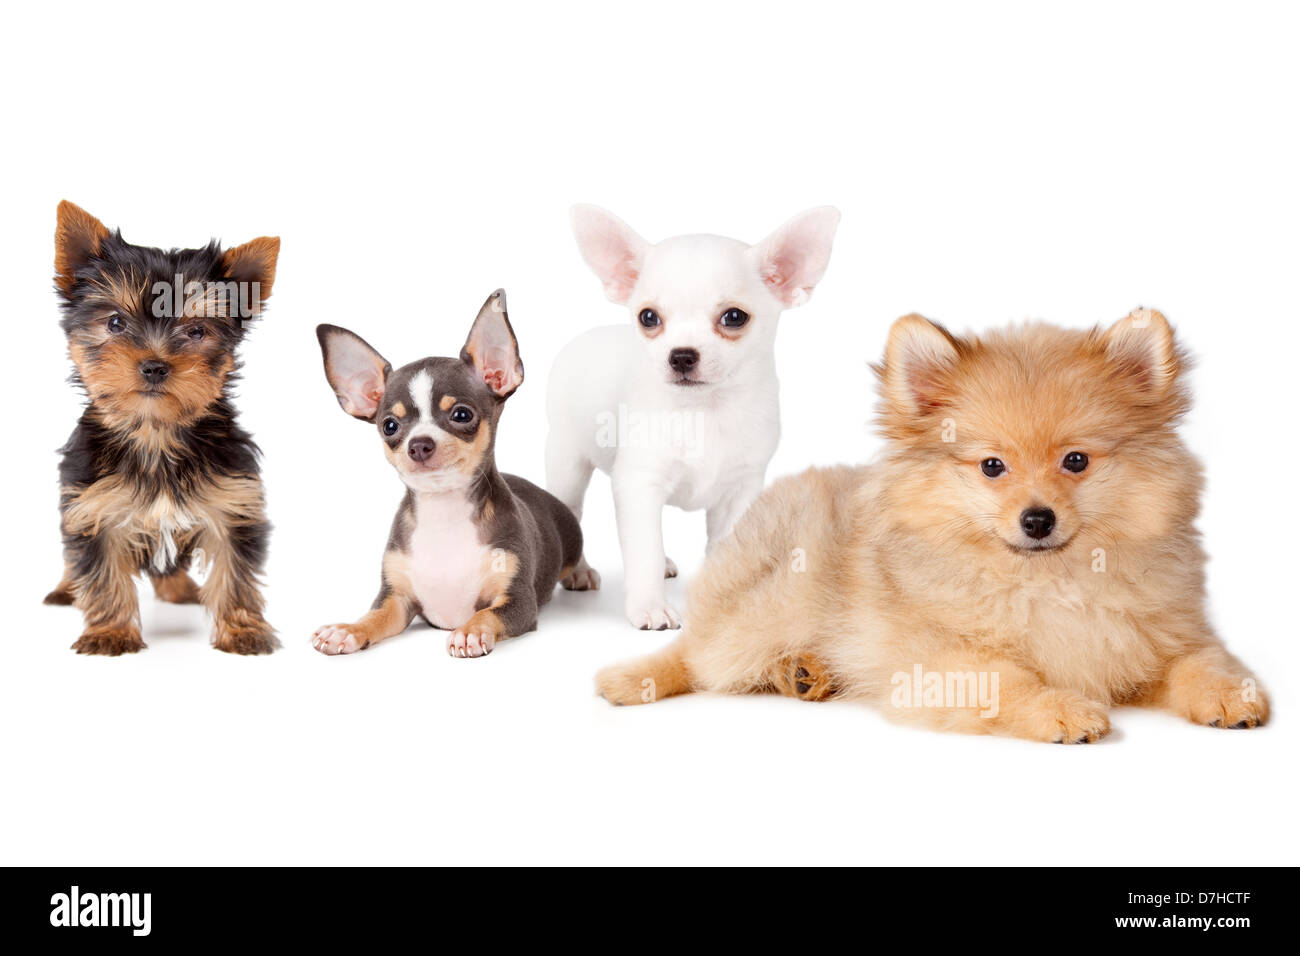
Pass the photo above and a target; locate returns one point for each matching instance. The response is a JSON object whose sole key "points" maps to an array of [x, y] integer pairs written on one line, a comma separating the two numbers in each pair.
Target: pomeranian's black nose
{"points": [[154, 371], [421, 449], [683, 360], [1037, 522]]}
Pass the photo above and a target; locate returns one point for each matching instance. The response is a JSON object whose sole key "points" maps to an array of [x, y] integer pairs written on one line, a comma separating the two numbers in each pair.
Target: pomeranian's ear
{"points": [[918, 357], [357, 373], [793, 259], [610, 248], [78, 237], [254, 261], [492, 350], [1142, 346]]}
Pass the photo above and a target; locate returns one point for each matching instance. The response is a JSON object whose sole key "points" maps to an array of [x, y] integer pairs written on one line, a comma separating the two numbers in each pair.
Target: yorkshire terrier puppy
{"points": [[157, 473]]}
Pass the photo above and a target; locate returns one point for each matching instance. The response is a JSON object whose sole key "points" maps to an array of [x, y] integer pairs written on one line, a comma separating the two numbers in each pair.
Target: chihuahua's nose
{"points": [[683, 360], [1037, 522], [154, 371], [420, 448]]}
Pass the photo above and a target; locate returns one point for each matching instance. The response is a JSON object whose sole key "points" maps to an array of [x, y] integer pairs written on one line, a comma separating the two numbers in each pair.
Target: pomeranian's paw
{"points": [[581, 578], [1062, 717], [1227, 703], [469, 641], [337, 639], [622, 684], [805, 677], [670, 568], [109, 641], [653, 616]]}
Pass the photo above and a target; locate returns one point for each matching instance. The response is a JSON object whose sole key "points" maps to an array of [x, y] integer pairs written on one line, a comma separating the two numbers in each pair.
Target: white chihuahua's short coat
{"points": [[680, 407]]}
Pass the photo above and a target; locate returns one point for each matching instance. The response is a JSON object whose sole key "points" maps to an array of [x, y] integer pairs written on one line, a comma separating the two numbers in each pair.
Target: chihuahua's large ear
{"points": [[610, 248], [1142, 346], [254, 261], [491, 349], [793, 259], [78, 237], [918, 357], [357, 373]]}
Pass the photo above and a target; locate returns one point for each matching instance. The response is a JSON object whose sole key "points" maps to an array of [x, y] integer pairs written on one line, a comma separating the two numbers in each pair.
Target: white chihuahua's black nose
{"points": [[154, 371], [683, 360], [420, 448], [1037, 522]]}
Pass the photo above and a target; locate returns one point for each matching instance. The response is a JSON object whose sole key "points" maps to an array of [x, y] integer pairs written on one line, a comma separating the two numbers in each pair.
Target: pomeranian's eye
{"points": [[733, 318], [649, 318], [116, 324], [1075, 461], [462, 414], [196, 333], [992, 467], [390, 426]]}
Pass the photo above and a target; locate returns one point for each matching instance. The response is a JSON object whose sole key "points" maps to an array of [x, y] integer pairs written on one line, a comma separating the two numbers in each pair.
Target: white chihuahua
{"points": [[680, 408]]}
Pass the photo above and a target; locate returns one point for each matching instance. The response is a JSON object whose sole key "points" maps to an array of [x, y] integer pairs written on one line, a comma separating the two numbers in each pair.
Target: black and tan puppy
{"points": [[472, 551], [157, 471]]}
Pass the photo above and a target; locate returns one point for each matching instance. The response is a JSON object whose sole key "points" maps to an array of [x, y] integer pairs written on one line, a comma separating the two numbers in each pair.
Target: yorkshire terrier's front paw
{"points": [[60, 596], [109, 641], [337, 639], [178, 588], [244, 634]]}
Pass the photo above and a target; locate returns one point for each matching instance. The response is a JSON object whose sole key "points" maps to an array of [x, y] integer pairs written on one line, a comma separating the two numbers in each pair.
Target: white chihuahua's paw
{"points": [[581, 578], [470, 642], [335, 639], [670, 568], [653, 616]]}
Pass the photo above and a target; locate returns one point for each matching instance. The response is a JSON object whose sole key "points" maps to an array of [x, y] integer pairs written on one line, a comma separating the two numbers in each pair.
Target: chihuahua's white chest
{"points": [[448, 561]]}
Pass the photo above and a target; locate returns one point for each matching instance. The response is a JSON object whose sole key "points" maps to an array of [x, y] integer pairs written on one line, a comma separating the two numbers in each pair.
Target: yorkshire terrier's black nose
{"points": [[154, 371], [420, 449], [1037, 522], [683, 360]]}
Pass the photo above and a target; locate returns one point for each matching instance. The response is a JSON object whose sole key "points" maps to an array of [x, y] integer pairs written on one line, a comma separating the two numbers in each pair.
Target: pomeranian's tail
{"points": [[646, 679]]}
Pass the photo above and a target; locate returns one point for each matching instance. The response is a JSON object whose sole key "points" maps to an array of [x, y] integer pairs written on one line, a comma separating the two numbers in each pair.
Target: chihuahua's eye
{"points": [[196, 333], [390, 426], [1075, 461], [649, 318], [462, 414], [734, 318], [992, 467], [116, 324]]}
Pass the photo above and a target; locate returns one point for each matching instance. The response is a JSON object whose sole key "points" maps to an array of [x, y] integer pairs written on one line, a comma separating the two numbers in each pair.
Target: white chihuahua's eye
{"points": [[733, 318], [390, 426], [992, 467], [462, 414], [1075, 461], [649, 318]]}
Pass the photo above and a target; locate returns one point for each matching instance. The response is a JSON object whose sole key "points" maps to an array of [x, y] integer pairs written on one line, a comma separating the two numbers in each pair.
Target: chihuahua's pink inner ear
{"points": [[1142, 345], [357, 373], [253, 262], [793, 259], [78, 237], [918, 358], [611, 250], [491, 348]]}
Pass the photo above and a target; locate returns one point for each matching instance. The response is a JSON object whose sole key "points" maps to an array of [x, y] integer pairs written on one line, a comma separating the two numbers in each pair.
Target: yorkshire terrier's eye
{"points": [[649, 318], [992, 467], [116, 324], [196, 333], [733, 318], [462, 414], [1075, 461], [390, 426]]}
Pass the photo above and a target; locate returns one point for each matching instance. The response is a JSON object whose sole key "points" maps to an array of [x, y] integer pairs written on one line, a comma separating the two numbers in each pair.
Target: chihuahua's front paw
{"points": [[467, 642], [670, 568], [582, 578], [109, 641], [654, 616], [336, 639]]}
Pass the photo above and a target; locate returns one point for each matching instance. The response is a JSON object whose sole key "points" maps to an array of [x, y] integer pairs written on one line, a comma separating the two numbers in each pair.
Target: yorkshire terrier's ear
{"points": [[253, 262], [491, 348], [357, 373], [78, 237]]}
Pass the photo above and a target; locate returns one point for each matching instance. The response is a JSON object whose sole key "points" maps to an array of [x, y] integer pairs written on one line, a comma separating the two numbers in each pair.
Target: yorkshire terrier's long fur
{"points": [[158, 472], [1032, 518]]}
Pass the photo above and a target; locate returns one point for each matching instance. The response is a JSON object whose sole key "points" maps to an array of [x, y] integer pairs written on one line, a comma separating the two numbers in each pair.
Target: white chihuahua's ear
{"points": [[492, 350], [610, 248], [357, 373], [1142, 345], [793, 259], [918, 357]]}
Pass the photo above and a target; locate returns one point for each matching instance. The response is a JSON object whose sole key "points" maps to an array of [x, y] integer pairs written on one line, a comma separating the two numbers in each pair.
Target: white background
{"points": [[991, 163]]}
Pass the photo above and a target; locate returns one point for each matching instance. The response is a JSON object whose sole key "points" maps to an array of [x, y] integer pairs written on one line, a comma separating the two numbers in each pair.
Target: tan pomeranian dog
{"points": [[1021, 560]]}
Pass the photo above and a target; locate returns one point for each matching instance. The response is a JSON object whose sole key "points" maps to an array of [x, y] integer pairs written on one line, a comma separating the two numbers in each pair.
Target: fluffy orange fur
{"points": [[919, 561]]}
